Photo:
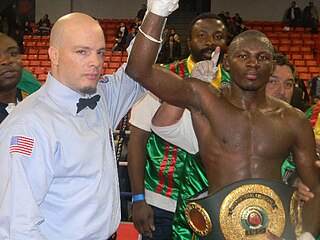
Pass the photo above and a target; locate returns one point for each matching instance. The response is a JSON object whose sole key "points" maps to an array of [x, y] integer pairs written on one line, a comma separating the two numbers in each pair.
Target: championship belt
{"points": [[246, 210]]}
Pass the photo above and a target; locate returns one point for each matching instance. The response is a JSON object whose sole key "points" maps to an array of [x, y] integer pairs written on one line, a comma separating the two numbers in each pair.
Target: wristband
{"points": [[138, 197]]}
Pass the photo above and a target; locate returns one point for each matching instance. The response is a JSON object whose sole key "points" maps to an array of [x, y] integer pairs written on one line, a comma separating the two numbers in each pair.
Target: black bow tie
{"points": [[88, 102]]}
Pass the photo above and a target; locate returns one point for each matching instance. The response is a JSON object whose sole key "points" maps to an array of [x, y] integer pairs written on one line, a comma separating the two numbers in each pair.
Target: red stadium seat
{"points": [[311, 63], [296, 57], [301, 69], [110, 71], [45, 64], [32, 57], [297, 42], [43, 51], [43, 57], [40, 70], [305, 76], [115, 59], [23, 56], [115, 65], [117, 53]]}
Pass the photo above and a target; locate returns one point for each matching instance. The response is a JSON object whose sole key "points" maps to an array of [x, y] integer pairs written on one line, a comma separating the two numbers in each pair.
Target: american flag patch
{"points": [[22, 145]]}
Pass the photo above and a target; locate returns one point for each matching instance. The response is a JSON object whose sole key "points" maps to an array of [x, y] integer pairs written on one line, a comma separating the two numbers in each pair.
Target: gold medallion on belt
{"points": [[249, 211]]}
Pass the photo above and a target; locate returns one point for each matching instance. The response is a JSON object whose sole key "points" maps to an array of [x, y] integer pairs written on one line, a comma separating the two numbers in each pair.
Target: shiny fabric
{"points": [[164, 167], [28, 83], [193, 182]]}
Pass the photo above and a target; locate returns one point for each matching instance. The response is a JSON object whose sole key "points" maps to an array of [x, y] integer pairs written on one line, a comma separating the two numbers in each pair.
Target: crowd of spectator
{"points": [[171, 47], [308, 18], [17, 29]]}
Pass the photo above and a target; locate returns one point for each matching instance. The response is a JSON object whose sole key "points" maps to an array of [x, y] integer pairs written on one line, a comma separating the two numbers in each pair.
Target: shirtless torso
{"points": [[237, 143]]}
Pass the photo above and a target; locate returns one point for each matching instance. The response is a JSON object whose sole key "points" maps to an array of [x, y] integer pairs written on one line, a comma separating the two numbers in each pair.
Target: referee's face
{"points": [[80, 57]]}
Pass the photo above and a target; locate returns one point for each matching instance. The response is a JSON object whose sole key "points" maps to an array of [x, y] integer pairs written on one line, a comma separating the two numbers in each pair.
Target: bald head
{"points": [[72, 24], [76, 51]]}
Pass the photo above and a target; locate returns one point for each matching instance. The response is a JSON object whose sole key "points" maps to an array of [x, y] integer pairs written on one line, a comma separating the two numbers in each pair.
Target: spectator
{"points": [[173, 32], [314, 85], [43, 30], [10, 14], [137, 23], [299, 83], [123, 30], [44, 20], [165, 35], [293, 15], [119, 42], [311, 17], [223, 17], [142, 11], [237, 19], [227, 16], [65, 184], [13, 86], [27, 29], [131, 36], [177, 48], [18, 37], [172, 49]]}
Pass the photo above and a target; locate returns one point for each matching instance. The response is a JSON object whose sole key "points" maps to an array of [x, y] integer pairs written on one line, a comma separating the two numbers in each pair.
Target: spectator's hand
{"points": [[207, 70], [304, 191], [162, 7], [143, 218]]}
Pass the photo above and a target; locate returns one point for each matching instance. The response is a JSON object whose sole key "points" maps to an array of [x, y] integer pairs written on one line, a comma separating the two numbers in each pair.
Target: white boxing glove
{"points": [[162, 7], [207, 70]]}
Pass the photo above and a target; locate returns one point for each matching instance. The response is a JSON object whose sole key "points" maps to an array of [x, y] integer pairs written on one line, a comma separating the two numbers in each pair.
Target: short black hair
{"points": [[207, 15], [280, 59]]}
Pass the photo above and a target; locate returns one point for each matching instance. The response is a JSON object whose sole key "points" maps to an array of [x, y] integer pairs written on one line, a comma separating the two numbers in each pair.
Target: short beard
{"points": [[88, 90]]}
